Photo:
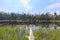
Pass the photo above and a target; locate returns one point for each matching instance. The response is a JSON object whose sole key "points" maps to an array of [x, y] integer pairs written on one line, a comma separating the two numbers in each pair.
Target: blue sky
{"points": [[33, 6]]}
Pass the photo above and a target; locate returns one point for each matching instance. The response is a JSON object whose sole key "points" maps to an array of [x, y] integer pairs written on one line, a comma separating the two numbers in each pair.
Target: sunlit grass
{"points": [[41, 34], [13, 33]]}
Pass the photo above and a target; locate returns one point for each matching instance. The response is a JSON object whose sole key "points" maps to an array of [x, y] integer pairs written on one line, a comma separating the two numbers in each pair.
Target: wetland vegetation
{"points": [[15, 26]]}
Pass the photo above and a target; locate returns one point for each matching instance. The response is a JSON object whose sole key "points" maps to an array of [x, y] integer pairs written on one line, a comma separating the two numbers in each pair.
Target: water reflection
{"points": [[35, 27], [24, 29], [53, 26]]}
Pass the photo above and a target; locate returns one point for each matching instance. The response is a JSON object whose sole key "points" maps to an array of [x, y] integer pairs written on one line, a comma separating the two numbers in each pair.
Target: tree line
{"points": [[24, 16]]}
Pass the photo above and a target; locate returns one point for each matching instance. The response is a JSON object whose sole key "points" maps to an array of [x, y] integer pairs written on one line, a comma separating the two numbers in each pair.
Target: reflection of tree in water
{"points": [[53, 26]]}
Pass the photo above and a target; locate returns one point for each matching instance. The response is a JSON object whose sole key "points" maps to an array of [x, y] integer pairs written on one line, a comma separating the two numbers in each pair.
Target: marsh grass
{"points": [[13, 33], [49, 35]]}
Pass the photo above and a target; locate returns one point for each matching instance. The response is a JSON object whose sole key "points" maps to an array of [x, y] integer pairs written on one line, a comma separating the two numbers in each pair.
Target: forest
{"points": [[27, 18]]}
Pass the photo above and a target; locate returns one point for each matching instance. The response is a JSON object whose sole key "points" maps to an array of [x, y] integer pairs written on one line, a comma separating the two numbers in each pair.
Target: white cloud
{"points": [[53, 6], [26, 4], [2, 10]]}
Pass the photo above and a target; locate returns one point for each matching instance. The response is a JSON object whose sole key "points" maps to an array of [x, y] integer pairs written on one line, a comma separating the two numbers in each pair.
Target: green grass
{"points": [[51, 35], [9, 33], [12, 33]]}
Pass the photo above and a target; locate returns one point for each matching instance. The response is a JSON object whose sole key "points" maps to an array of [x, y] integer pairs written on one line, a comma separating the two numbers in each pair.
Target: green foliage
{"points": [[24, 16]]}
